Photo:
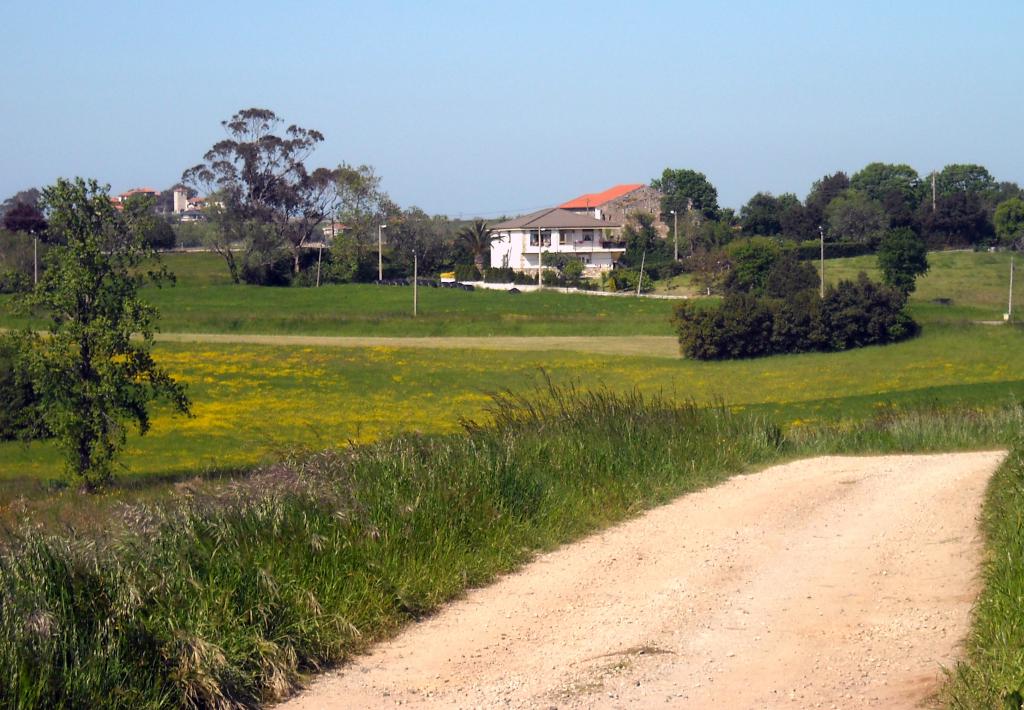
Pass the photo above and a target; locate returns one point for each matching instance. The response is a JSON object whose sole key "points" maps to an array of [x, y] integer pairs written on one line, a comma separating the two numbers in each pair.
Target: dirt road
{"points": [[653, 345], [831, 582]]}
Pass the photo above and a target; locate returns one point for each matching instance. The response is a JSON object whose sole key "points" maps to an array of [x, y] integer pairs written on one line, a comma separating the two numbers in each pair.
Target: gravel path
{"points": [[830, 582], [653, 345]]}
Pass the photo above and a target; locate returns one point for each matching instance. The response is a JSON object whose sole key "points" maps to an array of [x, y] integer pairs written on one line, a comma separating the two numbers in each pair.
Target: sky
{"points": [[484, 109]]}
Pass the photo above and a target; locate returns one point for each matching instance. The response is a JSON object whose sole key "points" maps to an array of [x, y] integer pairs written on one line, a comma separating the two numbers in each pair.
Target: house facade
{"points": [[616, 203], [521, 242]]}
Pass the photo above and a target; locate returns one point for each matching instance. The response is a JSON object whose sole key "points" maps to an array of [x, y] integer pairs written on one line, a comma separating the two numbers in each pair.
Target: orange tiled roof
{"points": [[596, 199]]}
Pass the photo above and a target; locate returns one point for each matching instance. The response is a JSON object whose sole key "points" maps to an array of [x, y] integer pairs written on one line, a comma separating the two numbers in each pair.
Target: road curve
{"points": [[830, 582]]}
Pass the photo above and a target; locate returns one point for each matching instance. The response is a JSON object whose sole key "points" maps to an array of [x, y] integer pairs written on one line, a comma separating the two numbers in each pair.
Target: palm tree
{"points": [[477, 237]]}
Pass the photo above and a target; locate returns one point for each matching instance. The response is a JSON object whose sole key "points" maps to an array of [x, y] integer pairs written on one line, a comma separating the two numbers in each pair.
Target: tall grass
{"points": [[228, 597], [229, 594], [992, 674]]}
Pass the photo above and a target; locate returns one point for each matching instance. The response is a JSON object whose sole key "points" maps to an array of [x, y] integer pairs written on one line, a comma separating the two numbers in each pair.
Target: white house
{"points": [[521, 241]]}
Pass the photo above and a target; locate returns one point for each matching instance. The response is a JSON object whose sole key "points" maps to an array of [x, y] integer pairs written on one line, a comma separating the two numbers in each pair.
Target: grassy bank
{"points": [[228, 593], [992, 675]]}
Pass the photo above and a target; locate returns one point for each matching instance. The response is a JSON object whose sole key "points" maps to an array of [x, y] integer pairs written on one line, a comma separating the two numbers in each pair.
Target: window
{"points": [[544, 237], [588, 235]]}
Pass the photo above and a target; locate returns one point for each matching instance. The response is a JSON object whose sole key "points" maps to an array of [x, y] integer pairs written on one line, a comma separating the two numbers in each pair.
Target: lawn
{"points": [[205, 301], [254, 402], [972, 286], [960, 285]]}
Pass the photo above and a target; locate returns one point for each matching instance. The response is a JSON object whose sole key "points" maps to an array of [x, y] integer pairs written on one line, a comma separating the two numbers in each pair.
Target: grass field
{"points": [[204, 301], [255, 401]]}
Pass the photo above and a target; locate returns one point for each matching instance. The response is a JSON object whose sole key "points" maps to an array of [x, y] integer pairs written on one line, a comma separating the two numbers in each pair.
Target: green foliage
{"points": [[16, 261], [20, 417], [964, 178], [902, 257], [1009, 222], [683, 189], [752, 260], [573, 271], [768, 215], [992, 674], [853, 216], [790, 275], [822, 193], [91, 378], [853, 314], [959, 219], [260, 186], [878, 180], [477, 238], [466, 272]]}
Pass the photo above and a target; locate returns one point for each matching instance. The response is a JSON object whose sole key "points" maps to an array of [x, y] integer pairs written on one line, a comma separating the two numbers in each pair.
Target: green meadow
{"points": [[254, 401]]}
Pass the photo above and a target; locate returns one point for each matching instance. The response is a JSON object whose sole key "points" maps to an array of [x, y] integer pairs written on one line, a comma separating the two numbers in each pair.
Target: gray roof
{"points": [[554, 218]]}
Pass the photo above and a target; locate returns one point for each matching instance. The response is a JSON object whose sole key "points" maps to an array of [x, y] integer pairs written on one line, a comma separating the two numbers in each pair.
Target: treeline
{"points": [[962, 205]]}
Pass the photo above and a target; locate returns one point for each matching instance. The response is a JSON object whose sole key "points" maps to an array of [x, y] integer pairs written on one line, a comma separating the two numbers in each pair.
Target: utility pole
{"points": [[35, 259], [689, 221], [640, 281], [540, 256], [380, 251], [1009, 308], [933, 190], [821, 234], [675, 228], [415, 283]]}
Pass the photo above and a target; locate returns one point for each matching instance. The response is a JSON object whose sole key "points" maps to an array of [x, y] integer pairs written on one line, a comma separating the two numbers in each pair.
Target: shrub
{"points": [[740, 327], [852, 314], [499, 275], [862, 312], [19, 416], [466, 272], [811, 250]]}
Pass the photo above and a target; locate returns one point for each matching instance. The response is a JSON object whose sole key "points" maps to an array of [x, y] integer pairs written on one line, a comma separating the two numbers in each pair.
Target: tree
{"points": [[26, 218], [91, 377], [477, 238], [822, 193], [362, 207], [683, 189], [965, 177], [642, 238], [1009, 222], [761, 215], [855, 217], [24, 197], [876, 180], [902, 257], [414, 230], [751, 261], [959, 219], [261, 178]]}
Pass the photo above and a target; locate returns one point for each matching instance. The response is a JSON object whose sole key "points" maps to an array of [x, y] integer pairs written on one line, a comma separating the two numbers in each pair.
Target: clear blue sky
{"points": [[480, 108]]}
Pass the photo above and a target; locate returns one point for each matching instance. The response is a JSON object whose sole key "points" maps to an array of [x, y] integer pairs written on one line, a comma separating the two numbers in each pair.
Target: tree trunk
{"points": [[478, 259]]}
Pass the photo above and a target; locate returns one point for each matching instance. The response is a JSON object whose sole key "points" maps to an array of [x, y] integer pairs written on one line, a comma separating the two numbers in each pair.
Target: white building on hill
{"points": [[521, 241]]}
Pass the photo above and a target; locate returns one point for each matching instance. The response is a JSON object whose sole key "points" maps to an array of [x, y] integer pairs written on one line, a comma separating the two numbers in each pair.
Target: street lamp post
{"points": [[821, 233], [380, 251], [675, 229]]}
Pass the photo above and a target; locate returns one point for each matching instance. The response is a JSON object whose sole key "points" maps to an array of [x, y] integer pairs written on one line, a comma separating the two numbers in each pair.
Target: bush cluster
{"points": [[852, 314], [466, 272]]}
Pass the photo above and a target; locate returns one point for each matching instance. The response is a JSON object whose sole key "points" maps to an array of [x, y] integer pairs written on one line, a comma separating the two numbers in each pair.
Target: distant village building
{"points": [[119, 200], [589, 227], [616, 204], [520, 242]]}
